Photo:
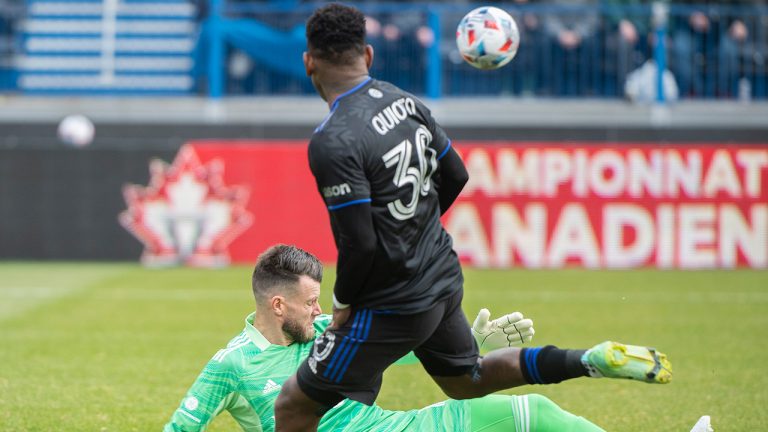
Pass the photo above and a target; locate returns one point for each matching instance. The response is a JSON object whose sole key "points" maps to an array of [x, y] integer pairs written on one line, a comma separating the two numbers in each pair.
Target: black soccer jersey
{"points": [[380, 146]]}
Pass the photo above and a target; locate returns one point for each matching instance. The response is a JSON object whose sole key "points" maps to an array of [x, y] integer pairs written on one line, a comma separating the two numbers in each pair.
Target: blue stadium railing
{"points": [[416, 50], [254, 48]]}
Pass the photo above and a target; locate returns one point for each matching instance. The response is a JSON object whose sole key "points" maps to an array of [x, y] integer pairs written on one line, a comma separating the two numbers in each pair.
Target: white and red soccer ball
{"points": [[487, 38]]}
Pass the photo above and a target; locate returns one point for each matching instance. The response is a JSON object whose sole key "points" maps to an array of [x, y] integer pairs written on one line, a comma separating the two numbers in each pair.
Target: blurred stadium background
{"points": [[581, 154]]}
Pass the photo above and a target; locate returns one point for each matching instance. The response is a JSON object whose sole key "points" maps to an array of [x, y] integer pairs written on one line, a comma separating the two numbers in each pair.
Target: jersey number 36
{"points": [[418, 177]]}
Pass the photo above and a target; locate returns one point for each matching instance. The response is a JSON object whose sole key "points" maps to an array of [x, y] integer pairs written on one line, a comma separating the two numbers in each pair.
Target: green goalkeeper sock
{"points": [[526, 413]]}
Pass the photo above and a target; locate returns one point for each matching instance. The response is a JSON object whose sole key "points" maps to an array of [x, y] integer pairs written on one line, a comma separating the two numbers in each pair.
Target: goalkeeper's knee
{"points": [[547, 416]]}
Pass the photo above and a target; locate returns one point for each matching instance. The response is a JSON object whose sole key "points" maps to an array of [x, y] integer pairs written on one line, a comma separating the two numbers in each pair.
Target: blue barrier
{"points": [[254, 47], [597, 68]]}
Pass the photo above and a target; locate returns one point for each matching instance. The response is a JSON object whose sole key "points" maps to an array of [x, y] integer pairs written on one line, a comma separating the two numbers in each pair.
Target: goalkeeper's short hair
{"points": [[280, 267]]}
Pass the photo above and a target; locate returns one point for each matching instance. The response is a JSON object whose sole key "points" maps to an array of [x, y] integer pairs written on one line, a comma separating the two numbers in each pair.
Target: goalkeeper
{"points": [[246, 376]]}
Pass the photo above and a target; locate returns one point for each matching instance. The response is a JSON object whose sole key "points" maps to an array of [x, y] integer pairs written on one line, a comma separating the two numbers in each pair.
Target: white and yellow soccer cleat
{"points": [[616, 360]]}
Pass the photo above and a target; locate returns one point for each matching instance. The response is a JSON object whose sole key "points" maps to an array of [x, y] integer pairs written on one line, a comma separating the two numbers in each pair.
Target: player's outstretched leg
{"points": [[616, 360], [511, 367], [525, 413]]}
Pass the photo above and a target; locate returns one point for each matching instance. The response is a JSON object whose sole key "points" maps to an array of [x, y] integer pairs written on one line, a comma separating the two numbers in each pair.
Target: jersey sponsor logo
{"points": [[418, 177], [336, 190], [375, 93], [391, 116], [321, 350], [191, 403], [270, 387], [187, 214]]}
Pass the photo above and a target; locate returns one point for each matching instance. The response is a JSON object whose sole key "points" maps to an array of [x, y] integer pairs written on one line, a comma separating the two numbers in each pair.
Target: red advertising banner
{"points": [[283, 198], [598, 206], [536, 205]]}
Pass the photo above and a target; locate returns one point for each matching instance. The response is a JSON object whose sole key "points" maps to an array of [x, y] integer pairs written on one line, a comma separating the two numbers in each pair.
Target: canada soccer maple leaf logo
{"points": [[186, 214]]}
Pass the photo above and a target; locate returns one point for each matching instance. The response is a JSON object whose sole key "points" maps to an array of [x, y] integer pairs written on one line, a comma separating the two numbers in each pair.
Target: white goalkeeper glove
{"points": [[508, 331]]}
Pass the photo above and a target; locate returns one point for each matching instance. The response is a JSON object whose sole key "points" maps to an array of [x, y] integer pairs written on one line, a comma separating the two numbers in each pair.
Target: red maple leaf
{"points": [[186, 213]]}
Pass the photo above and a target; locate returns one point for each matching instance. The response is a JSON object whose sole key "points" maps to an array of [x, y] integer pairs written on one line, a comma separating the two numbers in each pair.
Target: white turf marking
{"points": [[23, 287], [15, 301], [175, 294]]}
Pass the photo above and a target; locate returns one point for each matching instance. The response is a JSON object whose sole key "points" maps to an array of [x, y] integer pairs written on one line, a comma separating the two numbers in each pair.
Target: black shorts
{"points": [[348, 362]]}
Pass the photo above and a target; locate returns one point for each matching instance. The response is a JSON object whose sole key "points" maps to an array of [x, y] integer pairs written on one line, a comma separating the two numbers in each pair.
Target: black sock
{"points": [[550, 364]]}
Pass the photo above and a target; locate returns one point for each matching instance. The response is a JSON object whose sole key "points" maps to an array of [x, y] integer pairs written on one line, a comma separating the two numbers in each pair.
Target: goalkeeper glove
{"points": [[508, 331]]}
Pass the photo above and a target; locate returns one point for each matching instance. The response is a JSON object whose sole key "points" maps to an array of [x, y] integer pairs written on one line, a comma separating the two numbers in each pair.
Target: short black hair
{"points": [[336, 33], [280, 267]]}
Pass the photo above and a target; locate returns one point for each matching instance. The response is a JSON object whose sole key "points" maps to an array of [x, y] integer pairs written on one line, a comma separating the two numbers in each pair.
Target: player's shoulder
{"points": [[359, 118], [391, 92], [238, 347], [324, 148], [387, 89], [336, 134], [396, 106], [339, 138], [346, 120]]}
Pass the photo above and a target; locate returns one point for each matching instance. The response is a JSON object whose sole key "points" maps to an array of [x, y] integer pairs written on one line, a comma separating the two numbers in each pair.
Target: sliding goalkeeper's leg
{"points": [[526, 413]]}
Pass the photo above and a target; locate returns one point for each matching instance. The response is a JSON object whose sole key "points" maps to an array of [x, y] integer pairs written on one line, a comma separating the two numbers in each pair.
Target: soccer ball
{"points": [[76, 130], [487, 38]]}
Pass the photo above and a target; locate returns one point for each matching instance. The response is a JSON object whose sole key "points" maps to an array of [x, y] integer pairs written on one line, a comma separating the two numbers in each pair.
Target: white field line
{"points": [[176, 295], [15, 301], [18, 300], [22, 290]]}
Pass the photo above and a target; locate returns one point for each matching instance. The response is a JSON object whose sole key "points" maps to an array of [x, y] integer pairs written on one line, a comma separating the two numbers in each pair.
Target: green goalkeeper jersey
{"points": [[245, 378]]}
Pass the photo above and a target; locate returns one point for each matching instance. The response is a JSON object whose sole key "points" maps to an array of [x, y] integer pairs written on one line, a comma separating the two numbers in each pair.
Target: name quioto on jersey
{"points": [[391, 116]]}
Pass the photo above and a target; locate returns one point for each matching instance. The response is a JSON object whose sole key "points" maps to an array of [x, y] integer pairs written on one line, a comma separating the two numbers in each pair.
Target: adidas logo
{"points": [[270, 387]]}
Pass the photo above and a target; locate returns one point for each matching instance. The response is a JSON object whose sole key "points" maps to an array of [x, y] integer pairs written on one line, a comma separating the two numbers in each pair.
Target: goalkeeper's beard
{"points": [[298, 333]]}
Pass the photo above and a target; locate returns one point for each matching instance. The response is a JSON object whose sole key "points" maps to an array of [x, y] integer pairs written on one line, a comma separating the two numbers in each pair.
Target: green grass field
{"points": [[113, 347]]}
